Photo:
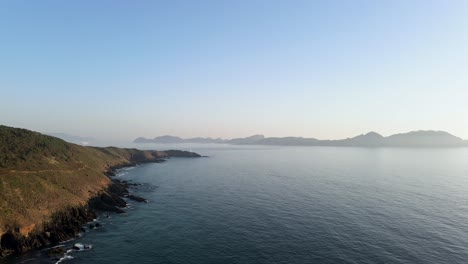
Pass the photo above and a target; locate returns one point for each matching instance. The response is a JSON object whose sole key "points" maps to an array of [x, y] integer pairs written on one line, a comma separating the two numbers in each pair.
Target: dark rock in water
{"points": [[55, 251], [119, 188], [137, 198], [82, 230], [91, 226], [98, 225], [79, 246], [76, 247], [109, 202]]}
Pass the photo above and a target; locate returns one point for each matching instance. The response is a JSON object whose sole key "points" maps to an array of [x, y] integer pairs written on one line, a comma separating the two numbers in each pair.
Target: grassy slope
{"points": [[40, 175]]}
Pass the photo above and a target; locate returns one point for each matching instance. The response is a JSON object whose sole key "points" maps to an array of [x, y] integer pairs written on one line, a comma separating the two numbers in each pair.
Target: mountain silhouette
{"points": [[421, 138]]}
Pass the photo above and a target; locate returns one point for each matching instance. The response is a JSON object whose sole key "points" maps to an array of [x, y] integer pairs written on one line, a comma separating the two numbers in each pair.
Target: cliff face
{"points": [[47, 185], [63, 225]]}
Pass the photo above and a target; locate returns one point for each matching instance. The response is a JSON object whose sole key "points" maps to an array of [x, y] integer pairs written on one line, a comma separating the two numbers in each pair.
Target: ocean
{"points": [[256, 204]]}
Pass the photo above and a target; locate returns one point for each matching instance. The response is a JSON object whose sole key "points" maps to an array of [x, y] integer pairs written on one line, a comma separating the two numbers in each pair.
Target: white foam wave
{"points": [[66, 257], [120, 174]]}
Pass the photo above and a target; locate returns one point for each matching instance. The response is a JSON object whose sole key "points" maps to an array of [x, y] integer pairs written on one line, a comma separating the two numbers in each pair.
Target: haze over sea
{"points": [[255, 204]]}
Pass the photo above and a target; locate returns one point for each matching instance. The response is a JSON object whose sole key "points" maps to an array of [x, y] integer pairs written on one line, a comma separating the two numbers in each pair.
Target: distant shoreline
{"points": [[413, 139]]}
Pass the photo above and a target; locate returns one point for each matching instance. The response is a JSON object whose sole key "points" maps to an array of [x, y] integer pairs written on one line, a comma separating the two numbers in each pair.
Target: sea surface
{"points": [[254, 204]]}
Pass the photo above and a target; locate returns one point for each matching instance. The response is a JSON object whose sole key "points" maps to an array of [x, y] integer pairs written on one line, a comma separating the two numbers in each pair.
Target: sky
{"points": [[323, 69]]}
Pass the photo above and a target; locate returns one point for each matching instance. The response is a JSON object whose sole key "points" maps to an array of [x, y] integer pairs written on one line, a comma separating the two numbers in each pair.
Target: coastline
{"points": [[67, 224]]}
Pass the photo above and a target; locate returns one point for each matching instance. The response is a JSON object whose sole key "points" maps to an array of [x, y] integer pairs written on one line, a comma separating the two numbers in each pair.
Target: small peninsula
{"points": [[49, 188]]}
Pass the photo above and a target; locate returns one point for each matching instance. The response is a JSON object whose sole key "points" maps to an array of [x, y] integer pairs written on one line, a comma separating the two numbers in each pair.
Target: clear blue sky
{"points": [[324, 69]]}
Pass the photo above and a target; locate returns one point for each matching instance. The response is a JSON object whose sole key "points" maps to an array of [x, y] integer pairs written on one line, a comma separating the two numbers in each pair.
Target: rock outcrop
{"points": [[64, 225]]}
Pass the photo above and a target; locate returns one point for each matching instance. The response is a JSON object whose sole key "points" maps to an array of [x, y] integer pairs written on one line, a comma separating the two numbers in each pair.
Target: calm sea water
{"points": [[292, 205]]}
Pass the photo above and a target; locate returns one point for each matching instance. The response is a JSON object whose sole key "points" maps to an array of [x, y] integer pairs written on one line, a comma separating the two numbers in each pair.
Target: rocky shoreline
{"points": [[49, 187], [68, 224]]}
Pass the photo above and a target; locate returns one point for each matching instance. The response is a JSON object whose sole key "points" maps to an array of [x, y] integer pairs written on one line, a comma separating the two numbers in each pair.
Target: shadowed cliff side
{"points": [[47, 185]]}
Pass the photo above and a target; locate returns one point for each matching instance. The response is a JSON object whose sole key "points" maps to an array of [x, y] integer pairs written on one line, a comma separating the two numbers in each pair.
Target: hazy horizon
{"points": [[315, 69], [76, 138]]}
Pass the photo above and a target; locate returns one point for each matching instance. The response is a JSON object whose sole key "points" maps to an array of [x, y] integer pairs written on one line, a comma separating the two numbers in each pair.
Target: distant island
{"points": [[49, 187], [421, 138]]}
